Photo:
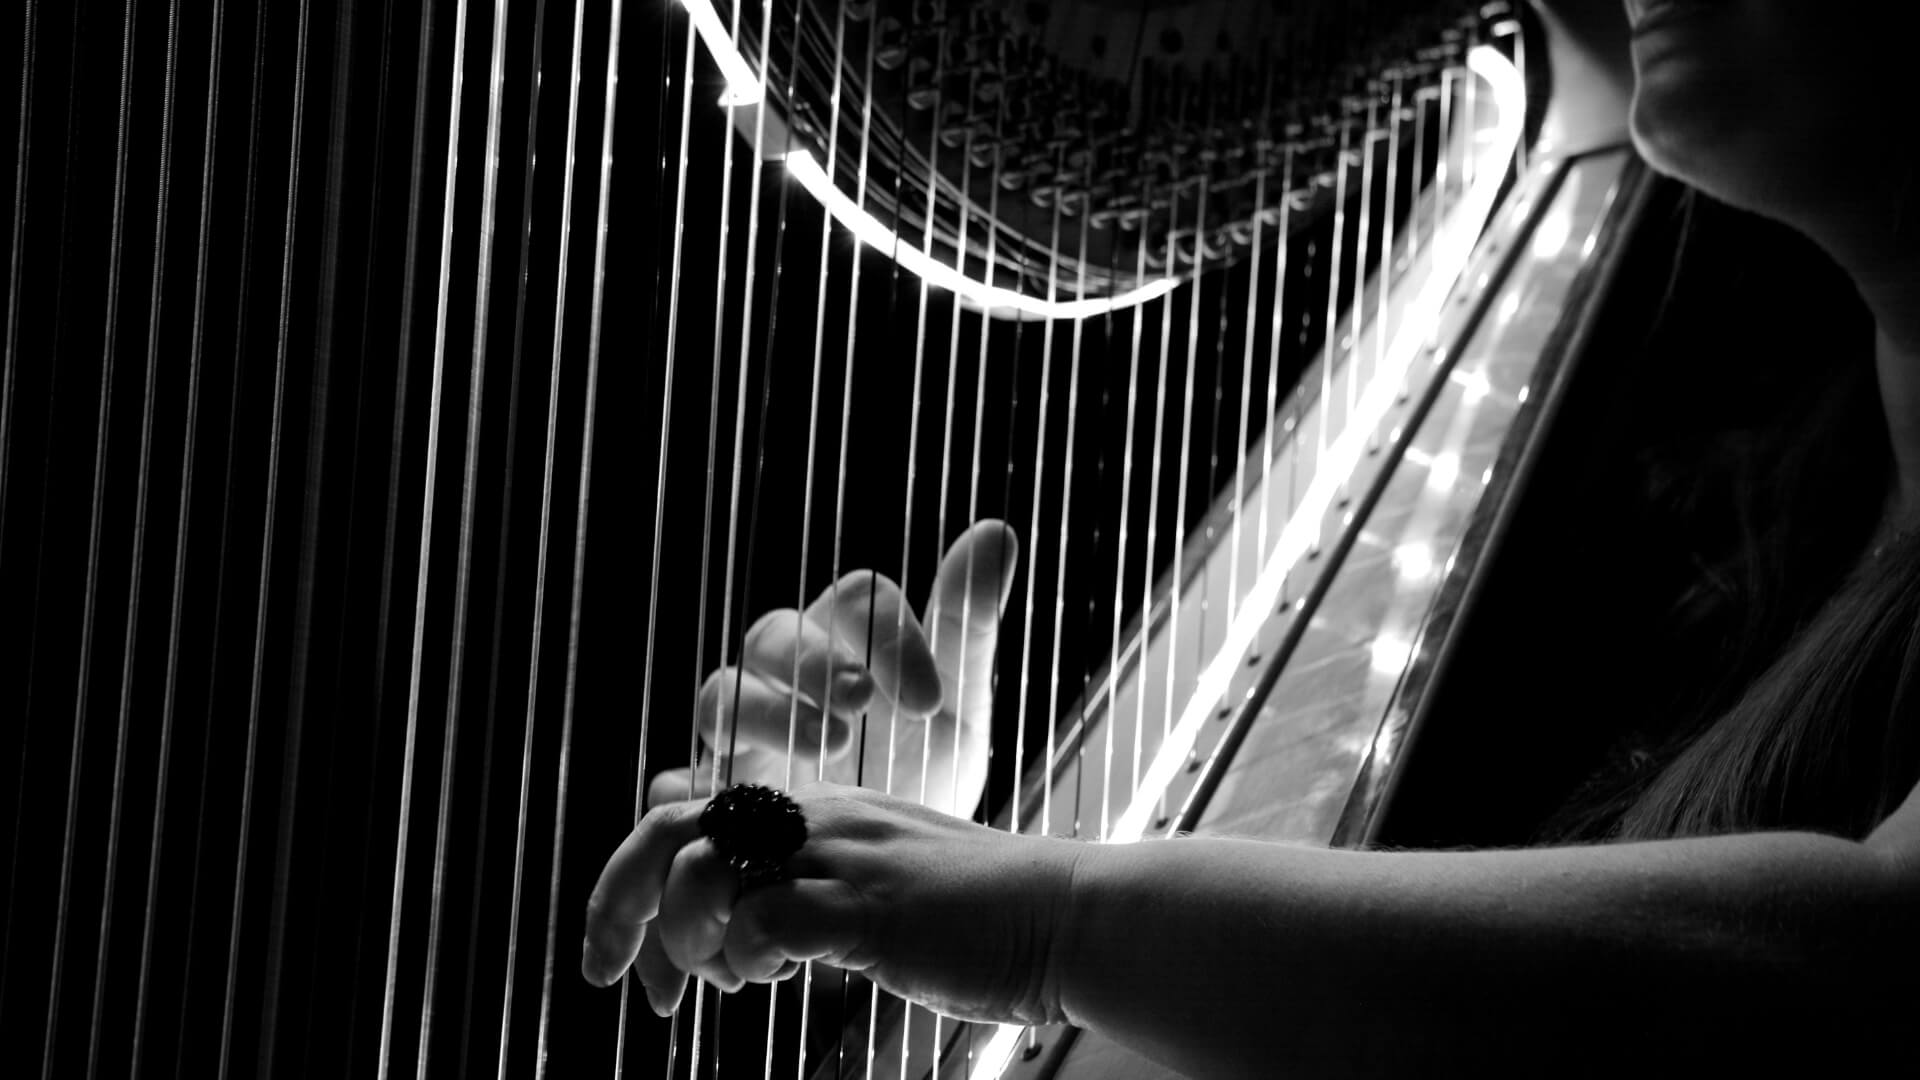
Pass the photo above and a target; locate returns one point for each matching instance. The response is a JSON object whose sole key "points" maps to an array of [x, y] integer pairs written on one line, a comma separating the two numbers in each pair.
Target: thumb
{"points": [[963, 617]]}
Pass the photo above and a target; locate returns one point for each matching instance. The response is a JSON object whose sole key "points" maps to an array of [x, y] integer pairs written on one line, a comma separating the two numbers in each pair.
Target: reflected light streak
{"points": [[1450, 261], [992, 299], [743, 86]]}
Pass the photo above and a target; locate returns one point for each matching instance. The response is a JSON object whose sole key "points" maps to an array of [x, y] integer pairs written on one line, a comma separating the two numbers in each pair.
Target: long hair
{"points": [[1806, 711]]}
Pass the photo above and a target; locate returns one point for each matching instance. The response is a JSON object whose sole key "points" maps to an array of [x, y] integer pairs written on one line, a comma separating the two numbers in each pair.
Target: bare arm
{"points": [[1229, 957]]}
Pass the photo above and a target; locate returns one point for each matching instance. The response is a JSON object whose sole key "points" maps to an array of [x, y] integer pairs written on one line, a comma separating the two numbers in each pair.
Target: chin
{"points": [[1709, 135]]}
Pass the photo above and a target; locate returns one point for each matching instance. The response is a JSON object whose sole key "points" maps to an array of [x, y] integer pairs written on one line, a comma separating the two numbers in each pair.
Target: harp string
{"points": [[1388, 267], [22, 152], [1120, 557], [23, 146], [1186, 453], [266, 542], [840, 480], [1153, 480], [1276, 334], [919, 370], [430, 469], [1246, 356], [946, 460], [1356, 309], [1061, 195], [1219, 383], [1033, 530], [723, 763], [822, 271], [706, 528], [1331, 325], [390, 539], [564, 228], [913, 468], [90, 596], [463, 557], [670, 357], [760, 440], [189, 442], [588, 413], [1443, 175], [163, 188], [946, 436], [503, 542]]}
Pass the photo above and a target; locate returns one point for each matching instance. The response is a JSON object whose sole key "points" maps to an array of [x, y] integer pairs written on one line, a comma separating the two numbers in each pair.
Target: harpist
{"points": [[1754, 900]]}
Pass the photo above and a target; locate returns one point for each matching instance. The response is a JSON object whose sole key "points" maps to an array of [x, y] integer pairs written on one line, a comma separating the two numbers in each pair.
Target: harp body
{"points": [[351, 650]]}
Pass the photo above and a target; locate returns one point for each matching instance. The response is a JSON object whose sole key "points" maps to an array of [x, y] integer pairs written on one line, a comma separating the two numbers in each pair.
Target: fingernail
{"points": [[852, 687]]}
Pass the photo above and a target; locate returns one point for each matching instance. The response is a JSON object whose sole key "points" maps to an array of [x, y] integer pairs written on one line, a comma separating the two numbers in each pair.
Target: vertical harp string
{"points": [[766, 407], [196, 352], [1186, 451], [70, 827], [1248, 335], [822, 272], [503, 556], [266, 532], [1153, 478], [23, 145], [913, 468], [698, 1012], [669, 359], [457, 645], [1277, 333], [536, 633], [1330, 326], [563, 250], [587, 423], [1357, 308], [1388, 267], [1033, 526], [390, 539], [734, 566], [429, 471], [1061, 195], [840, 477], [163, 186]]}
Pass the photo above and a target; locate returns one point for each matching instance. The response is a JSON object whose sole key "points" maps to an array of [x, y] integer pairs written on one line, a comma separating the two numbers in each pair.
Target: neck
{"points": [[1897, 363], [1884, 263]]}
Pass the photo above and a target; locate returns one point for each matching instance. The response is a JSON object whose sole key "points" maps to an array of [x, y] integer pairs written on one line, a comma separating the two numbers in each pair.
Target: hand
{"points": [[963, 919], [806, 689]]}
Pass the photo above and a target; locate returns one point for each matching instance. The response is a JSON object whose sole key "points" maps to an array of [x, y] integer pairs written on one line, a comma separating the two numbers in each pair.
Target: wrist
{"points": [[1076, 913]]}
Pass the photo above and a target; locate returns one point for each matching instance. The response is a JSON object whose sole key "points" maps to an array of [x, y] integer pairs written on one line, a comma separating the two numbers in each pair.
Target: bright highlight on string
{"points": [[992, 299], [1450, 262], [743, 86]]}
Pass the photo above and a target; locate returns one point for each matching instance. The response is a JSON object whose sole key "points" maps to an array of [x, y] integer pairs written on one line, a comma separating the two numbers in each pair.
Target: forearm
{"points": [[1226, 957]]}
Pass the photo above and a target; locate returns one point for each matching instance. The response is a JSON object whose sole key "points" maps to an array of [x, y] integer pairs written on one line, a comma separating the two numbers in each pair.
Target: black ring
{"points": [[756, 829]]}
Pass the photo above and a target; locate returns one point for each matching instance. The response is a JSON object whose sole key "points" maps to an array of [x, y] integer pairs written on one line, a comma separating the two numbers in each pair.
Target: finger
{"points": [[695, 908], [665, 984], [741, 712], [868, 611], [674, 785], [795, 921], [629, 890], [969, 595], [787, 649]]}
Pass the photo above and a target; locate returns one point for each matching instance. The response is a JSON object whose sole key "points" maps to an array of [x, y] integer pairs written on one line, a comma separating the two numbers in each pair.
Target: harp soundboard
{"points": [[406, 404]]}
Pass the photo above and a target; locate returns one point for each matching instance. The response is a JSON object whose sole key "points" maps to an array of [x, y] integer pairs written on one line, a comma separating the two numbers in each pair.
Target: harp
{"points": [[406, 404]]}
